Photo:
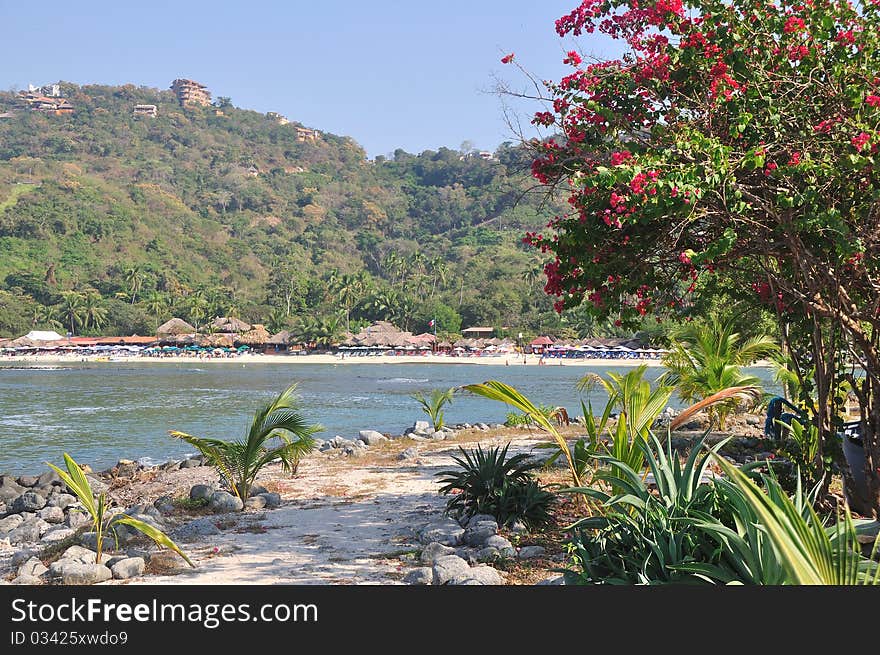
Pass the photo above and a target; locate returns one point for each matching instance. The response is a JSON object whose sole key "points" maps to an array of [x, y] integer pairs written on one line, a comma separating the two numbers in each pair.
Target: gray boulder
{"points": [[477, 533], [29, 501], [421, 576], [222, 502], [201, 492], [49, 477], [192, 531], [26, 580], [488, 554], [558, 580], [62, 500], [445, 531], [51, 514], [23, 555], [257, 489], [255, 502], [410, 453], [75, 573], [504, 547], [371, 437], [448, 567], [192, 462], [98, 486], [28, 480], [420, 427], [8, 494], [32, 567], [476, 518], [28, 532], [432, 552], [483, 575], [531, 552], [10, 523], [79, 554], [129, 567], [165, 505], [272, 499], [352, 451], [56, 534], [76, 519]]}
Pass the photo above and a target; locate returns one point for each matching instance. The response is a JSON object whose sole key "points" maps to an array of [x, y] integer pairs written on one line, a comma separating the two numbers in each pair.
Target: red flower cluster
{"points": [[873, 101], [506, 59], [618, 158], [860, 140], [794, 24], [573, 58]]}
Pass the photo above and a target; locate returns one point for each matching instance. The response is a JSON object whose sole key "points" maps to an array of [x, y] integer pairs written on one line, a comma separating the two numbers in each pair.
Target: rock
{"points": [[192, 531], [90, 540], [421, 576], [51, 514], [28, 480], [436, 436], [416, 437], [98, 486], [28, 532], [272, 499], [129, 567], [445, 531], [201, 492], [371, 437], [49, 477], [8, 494], [222, 502], [518, 527], [79, 554], [531, 552], [421, 427], [75, 519], [10, 523], [555, 581], [488, 554], [192, 462], [125, 468], [504, 547], [352, 451], [477, 533], [165, 505], [753, 420], [29, 501], [484, 575], [62, 500], [170, 466], [56, 534], [165, 560], [257, 490], [26, 580], [481, 426], [476, 518], [448, 567], [150, 510], [84, 574], [23, 555], [433, 551], [255, 502], [32, 567], [410, 453]]}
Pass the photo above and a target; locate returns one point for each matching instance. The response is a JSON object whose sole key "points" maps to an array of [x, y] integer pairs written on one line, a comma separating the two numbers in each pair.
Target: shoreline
{"points": [[513, 360]]}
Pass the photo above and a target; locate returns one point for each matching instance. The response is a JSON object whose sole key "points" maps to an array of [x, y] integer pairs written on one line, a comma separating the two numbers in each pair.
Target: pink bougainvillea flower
{"points": [[873, 100], [506, 59]]}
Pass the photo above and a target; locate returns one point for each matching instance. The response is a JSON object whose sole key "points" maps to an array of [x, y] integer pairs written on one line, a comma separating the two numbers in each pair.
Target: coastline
{"points": [[499, 360]]}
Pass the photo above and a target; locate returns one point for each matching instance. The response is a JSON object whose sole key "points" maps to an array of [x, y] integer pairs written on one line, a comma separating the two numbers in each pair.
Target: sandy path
{"points": [[343, 521]]}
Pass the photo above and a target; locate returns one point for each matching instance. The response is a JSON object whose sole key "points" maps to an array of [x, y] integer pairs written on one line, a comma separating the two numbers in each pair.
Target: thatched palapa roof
{"points": [[216, 340], [280, 339], [256, 336], [381, 334], [230, 324], [174, 327]]}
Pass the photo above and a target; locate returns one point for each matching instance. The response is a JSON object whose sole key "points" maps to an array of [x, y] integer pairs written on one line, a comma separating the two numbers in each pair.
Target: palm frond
{"points": [[749, 393]]}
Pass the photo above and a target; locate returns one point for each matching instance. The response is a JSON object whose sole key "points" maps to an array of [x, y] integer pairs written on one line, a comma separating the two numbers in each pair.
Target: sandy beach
{"points": [[254, 358]]}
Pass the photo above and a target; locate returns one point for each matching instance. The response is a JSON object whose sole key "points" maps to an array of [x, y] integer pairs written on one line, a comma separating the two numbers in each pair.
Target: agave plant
{"points": [[278, 433], [433, 405], [487, 482], [805, 550], [103, 523]]}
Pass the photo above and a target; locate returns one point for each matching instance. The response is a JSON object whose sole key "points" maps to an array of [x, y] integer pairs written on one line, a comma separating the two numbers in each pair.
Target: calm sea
{"points": [[101, 412]]}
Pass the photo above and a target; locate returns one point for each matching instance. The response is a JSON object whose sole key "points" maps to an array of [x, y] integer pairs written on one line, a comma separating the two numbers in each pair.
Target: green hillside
{"points": [[113, 223]]}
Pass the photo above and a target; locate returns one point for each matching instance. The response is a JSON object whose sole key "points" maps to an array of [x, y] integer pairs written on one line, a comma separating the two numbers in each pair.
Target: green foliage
{"points": [[488, 482], [434, 403], [707, 357], [278, 433], [547, 412], [102, 523]]}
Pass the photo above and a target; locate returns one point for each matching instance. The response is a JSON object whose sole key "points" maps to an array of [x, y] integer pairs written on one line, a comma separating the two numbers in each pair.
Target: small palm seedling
{"points": [[103, 523], [433, 405], [487, 482], [278, 433]]}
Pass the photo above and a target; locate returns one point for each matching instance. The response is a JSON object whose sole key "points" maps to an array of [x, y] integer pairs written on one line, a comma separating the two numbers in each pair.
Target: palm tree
{"points": [[707, 358], [71, 307], [156, 303], [134, 278], [433, 404], [348, 290], [47, 317], [278, 320], [278, 433], [197, 307], [94, 311], [439, 272]]}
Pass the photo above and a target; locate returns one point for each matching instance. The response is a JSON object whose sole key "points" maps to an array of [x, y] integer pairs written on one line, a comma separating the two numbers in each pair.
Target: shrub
{"points": [[487, 482]]}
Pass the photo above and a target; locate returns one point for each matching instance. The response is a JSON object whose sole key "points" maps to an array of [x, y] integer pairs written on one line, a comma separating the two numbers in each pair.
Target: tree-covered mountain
{"points": [[111, 222]]}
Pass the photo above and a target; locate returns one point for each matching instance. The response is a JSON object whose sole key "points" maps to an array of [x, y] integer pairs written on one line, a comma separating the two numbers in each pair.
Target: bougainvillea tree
{"points": [[734, 138]]}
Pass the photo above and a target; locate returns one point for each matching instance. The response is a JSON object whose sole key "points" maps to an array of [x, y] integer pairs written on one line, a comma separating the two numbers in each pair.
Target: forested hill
{"points": [[115, 222]]}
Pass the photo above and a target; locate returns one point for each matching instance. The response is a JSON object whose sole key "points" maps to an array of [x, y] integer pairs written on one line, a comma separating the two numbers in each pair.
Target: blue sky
{"points": [[416, 75]]}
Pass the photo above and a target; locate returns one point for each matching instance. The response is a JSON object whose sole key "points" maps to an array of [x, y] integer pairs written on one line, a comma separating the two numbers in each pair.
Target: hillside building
{"points": [[190, 92], [146, 110], [305, 134], [46, 104], [278, 118]]}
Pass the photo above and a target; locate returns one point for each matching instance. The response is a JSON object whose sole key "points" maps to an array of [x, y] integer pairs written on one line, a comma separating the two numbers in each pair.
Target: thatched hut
{"points": [[280, 340], [381, 334], [257, 336], [216, 340], [230, 324], [173, 328]]}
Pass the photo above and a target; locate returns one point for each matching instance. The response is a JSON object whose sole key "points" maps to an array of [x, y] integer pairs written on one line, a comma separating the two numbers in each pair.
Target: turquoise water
{"points": [[101, 412]]}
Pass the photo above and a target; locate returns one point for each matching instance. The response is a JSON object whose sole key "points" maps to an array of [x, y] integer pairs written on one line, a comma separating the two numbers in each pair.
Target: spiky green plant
{"points": [[278, 433], [102, 523], [433, 404]]}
